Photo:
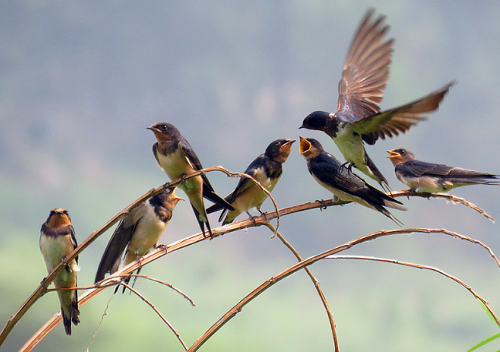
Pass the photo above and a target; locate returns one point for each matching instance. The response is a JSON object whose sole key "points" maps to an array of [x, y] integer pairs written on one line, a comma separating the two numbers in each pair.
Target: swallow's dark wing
{"points": [[257, 165], [332, 173], [344, 180], [155, 151], [208, 191], [398, 120], [366, 70], [111, 257], [416, 168], [73, 239], [243, 184]]}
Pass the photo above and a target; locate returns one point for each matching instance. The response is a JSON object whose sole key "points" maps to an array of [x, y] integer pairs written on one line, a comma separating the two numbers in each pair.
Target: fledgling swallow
{"points": [[57, 241], [175, 155], [139, 232], [425, 177], [345, 185], [358, 117], [267, 170]]}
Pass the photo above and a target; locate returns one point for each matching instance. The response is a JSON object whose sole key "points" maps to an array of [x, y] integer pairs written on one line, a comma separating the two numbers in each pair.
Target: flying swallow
{"points": [[57, 241], [346, 186], [358, 117], [139, 232], [175, 155], [267, 170], [425, 177]]}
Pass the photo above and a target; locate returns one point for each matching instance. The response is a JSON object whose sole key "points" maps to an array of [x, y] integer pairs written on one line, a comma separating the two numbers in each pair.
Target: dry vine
{"points": [[253, 222]]}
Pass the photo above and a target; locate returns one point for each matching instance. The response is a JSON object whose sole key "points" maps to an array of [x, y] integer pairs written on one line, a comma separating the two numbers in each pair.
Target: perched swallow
{"points": [[57, 241], [430, 178], [345, 185], [266, 169], [175, 155], [139, 232], [358, 117]]}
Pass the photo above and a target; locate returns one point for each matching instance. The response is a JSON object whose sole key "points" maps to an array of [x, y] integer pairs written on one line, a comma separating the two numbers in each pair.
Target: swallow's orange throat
{"points": [[59, 218]]}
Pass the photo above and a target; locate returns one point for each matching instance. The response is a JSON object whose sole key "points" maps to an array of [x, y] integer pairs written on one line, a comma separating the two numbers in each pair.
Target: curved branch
{"points": [[449, 197], [425, 267], [176, 333], [315, 283], [159, 252], [311, 260]]}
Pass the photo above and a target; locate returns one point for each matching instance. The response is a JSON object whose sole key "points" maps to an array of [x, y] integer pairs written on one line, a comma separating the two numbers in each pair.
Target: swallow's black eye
{"points": [[402, 152]]}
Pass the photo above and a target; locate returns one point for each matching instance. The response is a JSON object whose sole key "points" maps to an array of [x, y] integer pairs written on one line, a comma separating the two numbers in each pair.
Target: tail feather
{"points": [[70, 313], [215, 198], [378, 175], [392, 217], [202, 222]]}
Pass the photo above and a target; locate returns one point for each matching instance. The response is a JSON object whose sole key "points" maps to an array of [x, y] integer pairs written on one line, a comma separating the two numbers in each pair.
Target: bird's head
{"points": [[58, 218], [316, 121], [167, 198], [164, 131], [310, 147], [400, 155], [279, 150]]}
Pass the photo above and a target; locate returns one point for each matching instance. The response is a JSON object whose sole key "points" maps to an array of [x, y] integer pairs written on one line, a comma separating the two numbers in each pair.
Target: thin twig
{"points": [[113, 281], [316, 285], [420, 266], [159, 252], [157, 312], [42, 289], [449, 197], [309, 261]]}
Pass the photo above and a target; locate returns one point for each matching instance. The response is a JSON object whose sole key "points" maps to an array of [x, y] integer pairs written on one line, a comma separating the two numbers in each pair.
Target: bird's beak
{"points": [[304, 145], [154, 129], [392, 154]]}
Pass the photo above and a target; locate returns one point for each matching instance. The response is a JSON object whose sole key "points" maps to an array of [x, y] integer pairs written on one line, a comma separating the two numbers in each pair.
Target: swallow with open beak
{"points": [[358, 117], [175, 155], [425, 177], [346, 186], [139, 232], [57, 241], [267, 170]]}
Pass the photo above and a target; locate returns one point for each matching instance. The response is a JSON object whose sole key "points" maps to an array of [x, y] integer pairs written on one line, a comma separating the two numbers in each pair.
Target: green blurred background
{"points": [[81, 81]]}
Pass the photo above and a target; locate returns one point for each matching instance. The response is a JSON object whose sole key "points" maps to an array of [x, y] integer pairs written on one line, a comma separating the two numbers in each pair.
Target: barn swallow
{"points": [[139, 232], [425, 177], [57, 241], [175, 155], [267, 170], [346, 186], [358, 117]]}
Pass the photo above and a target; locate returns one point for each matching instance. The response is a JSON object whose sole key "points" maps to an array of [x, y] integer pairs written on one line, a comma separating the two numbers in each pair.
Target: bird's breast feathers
{"points": [[176, 165], [54, 249], [351, 147], [147, 233]]}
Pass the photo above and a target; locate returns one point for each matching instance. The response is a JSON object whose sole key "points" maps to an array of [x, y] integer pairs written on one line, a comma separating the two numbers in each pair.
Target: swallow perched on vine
{"points": [[57, 241], [345, 185], [139, 232], [175, 155], [425, 177], [266, 169]]}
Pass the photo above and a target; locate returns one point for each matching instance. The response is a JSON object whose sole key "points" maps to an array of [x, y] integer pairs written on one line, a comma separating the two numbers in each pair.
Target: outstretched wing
{"points": [[366, 70], [398, 120]]}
